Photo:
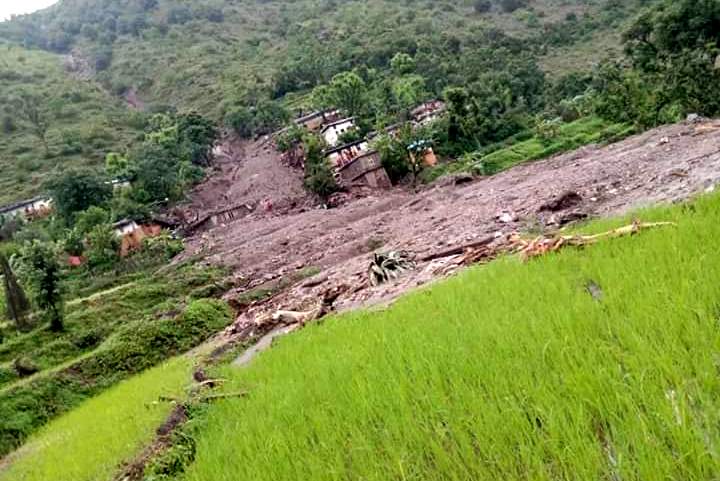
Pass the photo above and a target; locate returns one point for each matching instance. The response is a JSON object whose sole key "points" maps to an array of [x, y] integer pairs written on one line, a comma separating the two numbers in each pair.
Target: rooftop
{"points": [[20, 205], [338, 122], [344, 147]]}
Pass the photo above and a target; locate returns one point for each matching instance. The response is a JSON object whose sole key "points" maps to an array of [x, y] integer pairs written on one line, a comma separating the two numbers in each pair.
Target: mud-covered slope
{"points": [[663, 165]]}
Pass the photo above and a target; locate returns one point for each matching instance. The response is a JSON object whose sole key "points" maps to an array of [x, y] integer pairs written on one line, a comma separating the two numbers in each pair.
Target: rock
{"points": [[315, 281], [507, 217], [565, 201], [693, 119], [454, 179]]}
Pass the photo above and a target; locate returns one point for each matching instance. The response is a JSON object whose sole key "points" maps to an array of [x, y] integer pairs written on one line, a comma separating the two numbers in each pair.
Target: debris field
{"points": [[279, 233]]}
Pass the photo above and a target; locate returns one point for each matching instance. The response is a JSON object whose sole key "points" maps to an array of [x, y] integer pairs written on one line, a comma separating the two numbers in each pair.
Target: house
{"points": [[316, 120], [334, 130], [345, 154], [35, 208], [119, 184], [132, 234], [366, 169], [390, 130], [125, 227], [355, 163], [428, 112]]}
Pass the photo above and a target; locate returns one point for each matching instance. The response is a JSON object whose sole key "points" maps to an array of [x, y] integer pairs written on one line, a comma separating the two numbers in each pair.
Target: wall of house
{"points": [[345, 156], [332, 134]]}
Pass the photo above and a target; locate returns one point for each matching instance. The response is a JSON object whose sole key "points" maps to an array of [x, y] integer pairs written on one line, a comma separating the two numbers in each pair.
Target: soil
{"points": [[284, 231]]}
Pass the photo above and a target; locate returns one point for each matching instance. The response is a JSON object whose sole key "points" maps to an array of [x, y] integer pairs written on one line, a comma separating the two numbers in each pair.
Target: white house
{"points": [[331, 132], [125, 227], [36, 207]]}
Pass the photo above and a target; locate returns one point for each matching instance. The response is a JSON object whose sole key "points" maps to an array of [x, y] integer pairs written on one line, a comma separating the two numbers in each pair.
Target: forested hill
{"points": [[80, 79], [210, 54]]}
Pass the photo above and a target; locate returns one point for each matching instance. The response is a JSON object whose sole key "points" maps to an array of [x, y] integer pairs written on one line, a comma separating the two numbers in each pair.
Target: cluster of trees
{"points": [[672, 66], [37, 265], [101, 22], [170, 158]]}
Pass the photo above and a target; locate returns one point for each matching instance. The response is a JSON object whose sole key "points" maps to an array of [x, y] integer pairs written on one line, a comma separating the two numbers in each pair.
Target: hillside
{"points": [[487, 252], [79, 121], [208, 54], [81, 57]]}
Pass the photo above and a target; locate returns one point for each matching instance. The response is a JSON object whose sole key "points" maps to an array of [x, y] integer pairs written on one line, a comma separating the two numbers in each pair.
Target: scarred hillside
{"points": [[270, 243]]}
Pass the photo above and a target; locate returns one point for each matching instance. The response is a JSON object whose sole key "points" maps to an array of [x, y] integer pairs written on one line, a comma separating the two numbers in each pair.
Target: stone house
{"points": [[355, 163], [366, 169]]}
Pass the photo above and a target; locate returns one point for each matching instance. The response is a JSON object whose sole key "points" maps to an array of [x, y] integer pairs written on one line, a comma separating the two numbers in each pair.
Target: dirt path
{"points": [[662, 165]]}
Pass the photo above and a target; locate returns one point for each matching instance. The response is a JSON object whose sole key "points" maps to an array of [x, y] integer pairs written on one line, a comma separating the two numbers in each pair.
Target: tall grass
{"points": [[90, 442], [507, 372]]}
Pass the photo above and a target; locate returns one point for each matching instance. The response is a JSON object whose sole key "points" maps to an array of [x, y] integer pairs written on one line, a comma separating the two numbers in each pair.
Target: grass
{"points": [[107, 339], [509, 371], [90, 442], [526, 147]]}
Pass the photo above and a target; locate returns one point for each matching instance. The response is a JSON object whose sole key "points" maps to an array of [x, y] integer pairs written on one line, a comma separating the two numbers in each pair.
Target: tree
{"points": [[76, 191], [88, 219], [348, 92], [241, 121], [118, 166], [44, 275], [157, 177], [29, 107], [394, 157], [482, 6], [402, 64], [319, 177], [17, 303], [198, 135], [409, 91], [675, 46], [103, 247]]}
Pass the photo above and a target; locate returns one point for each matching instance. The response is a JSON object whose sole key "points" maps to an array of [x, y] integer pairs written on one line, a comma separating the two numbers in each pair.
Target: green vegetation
{"points": [[514, 151], [460, 381], [107, 337], [102, 432], [81, 121]]}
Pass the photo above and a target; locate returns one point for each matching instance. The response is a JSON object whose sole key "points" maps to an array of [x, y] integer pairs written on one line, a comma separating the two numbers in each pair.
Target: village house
{"points": [[340, 156], [356, 163], [366, 169], [35, 208], [334, 130], [119, 184], [132, 234], [428, 112], [316, 120]]}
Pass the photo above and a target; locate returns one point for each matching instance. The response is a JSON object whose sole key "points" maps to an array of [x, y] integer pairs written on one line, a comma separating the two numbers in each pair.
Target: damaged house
{"points": [[356, 164], [316, 120], [132, 234]]}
